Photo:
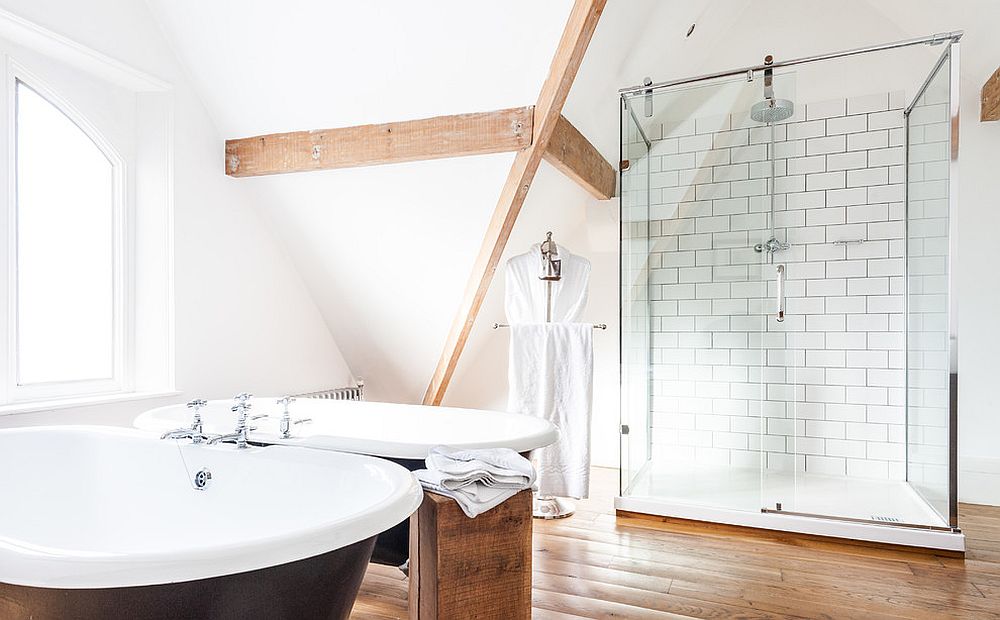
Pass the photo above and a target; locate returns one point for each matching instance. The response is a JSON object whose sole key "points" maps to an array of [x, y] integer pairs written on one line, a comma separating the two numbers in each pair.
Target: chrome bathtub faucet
{"points": [[239, 435], [195, 431], [285, 427]]}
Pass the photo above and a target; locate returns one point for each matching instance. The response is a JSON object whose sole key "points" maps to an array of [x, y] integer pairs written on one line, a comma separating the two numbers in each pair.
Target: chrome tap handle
{"points": [[243, 397], [285, 428], [241, 410], [196, 424]]}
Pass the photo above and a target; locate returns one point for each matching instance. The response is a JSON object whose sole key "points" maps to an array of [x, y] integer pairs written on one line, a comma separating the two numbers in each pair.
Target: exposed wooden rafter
{"points": [[367, 145], [571, 152], [991, 98], [576, 37]]}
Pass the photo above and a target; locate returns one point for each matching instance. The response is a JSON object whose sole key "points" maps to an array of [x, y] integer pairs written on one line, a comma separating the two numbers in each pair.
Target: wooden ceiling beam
{"points": [[369, 145], [569, 54], [991, 98], [574, 155]]}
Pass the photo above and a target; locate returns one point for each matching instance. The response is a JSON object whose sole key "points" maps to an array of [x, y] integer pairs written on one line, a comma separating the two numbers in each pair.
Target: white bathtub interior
{"points": [[102, 506]]}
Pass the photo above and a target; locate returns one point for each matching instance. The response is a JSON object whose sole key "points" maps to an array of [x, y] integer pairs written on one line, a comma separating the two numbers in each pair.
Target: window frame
{"points": [[121, 380]]}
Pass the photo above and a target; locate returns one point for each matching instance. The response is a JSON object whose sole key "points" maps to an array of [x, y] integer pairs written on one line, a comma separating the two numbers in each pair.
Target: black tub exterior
{"points": [[322, 587], [393, 545]]}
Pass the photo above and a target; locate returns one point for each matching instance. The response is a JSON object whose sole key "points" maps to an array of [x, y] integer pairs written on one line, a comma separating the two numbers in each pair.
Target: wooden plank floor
{"points": [[593, 565]]}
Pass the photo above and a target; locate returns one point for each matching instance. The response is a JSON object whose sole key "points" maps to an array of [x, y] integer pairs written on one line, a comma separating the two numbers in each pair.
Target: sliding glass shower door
{"points": [[865, 345]]}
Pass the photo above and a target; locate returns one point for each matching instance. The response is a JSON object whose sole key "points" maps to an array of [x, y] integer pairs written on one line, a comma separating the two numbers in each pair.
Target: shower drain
{"points": [[885, 519]]}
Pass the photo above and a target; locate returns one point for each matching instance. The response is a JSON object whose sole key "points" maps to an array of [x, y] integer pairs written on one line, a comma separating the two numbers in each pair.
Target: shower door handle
{"points": [[781, 293]]}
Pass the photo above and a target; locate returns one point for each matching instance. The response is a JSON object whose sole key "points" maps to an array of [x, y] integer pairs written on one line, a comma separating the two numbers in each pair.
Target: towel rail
{"points": [[595, 325]]}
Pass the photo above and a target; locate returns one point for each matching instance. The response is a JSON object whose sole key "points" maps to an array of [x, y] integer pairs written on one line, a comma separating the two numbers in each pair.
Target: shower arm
{"points": [[768, 84]]}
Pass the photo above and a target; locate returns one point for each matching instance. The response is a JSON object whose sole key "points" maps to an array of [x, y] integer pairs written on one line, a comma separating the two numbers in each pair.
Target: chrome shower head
{"points": [[772, 110]]}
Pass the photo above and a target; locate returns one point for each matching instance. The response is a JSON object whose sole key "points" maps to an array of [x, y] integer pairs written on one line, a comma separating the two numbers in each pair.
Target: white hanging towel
{"points": [[550, 370], [524, 300]]}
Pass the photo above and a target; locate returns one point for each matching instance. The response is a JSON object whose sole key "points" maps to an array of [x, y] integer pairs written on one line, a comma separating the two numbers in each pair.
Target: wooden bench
{"points": [[470, 568]]}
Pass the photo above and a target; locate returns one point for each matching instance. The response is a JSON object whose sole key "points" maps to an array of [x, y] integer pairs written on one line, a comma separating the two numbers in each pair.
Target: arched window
{"points": [[68, 229]]}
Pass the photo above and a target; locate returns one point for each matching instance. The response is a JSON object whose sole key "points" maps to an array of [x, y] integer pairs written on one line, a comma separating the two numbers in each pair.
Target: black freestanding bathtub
{"points": [[113, 523]]}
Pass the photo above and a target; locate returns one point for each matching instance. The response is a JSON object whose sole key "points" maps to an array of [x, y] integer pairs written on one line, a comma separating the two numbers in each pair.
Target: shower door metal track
{"points": [[813, 515], [935, 39]]}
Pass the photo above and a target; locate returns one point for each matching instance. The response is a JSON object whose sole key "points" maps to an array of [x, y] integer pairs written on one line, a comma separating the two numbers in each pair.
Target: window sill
{"points": [[81, 401]]}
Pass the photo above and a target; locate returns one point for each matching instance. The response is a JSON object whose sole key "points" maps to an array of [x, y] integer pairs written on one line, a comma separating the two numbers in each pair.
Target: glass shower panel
{"points": [[865, 277], [930, 381], [635, 330], [709, 174]]}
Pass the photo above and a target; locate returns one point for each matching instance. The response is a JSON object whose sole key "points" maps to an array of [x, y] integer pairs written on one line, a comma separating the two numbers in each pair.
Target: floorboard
{"points": [[596, 565]]}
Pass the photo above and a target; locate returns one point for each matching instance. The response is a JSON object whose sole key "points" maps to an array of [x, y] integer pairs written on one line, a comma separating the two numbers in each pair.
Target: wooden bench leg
{"points": [[470, 568]]}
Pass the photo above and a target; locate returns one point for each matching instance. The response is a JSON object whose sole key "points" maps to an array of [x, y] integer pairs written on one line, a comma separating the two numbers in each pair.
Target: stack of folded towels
{"points": [[477, 479]]}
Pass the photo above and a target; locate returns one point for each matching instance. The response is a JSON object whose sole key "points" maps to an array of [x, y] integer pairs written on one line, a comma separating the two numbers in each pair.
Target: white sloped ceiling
{"points": [[385, 251]]}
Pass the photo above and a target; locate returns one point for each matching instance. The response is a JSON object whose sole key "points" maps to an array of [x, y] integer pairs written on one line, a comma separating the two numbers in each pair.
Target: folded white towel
{"points": [[478, 480], [496, 462]]}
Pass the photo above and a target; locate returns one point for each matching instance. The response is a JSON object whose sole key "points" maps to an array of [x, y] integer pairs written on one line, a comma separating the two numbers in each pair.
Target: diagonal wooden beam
{"points": [[991, 98], [573, 44], [574, 155], [368, 145]]}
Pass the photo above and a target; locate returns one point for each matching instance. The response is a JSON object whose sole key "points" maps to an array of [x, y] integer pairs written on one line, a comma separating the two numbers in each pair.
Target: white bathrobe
{"points": [[524, 300], [550, 369]]}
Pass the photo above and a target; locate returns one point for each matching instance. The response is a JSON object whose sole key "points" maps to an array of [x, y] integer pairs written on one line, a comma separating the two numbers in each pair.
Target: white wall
{"points": [[385, 251], [589, 228], [243, 318]]}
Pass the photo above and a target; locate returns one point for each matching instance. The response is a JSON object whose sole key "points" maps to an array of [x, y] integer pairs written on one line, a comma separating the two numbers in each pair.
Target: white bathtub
{"points": [[381, 429], [100, 507]]}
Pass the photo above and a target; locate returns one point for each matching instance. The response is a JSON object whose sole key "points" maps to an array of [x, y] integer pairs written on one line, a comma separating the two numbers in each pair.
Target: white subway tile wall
{"points": [[730, 384]]}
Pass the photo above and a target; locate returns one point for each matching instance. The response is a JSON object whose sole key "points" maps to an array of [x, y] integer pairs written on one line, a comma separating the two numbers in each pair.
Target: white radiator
{"points": [[356, 392]]}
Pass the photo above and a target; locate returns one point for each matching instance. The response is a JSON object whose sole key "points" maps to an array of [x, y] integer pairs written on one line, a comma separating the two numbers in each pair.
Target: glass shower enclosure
{"points": [[787, 318]]}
